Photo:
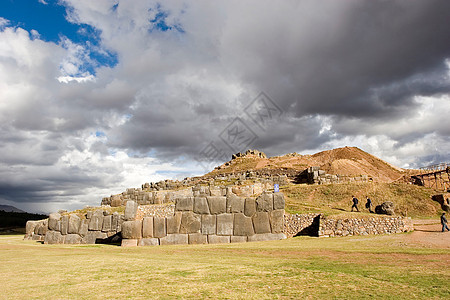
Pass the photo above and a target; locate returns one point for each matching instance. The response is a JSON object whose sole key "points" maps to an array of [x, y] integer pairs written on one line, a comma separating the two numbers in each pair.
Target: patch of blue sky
{"points": [[49, 19], [159, 22], [100, 134]]}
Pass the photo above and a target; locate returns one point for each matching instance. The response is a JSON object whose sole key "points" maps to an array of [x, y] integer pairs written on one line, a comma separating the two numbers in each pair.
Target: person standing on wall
{"points": [[369, 204], [355, 203], [444, 222]]}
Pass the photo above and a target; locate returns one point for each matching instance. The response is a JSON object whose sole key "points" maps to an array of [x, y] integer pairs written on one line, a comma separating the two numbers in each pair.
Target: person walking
{"points": [[355, 203], [369, 204], [444, 222]]}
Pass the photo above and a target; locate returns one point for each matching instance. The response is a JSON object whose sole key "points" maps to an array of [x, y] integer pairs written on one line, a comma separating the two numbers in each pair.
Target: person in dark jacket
{"points": [[369, 204], [444, 222], [355, 203]]}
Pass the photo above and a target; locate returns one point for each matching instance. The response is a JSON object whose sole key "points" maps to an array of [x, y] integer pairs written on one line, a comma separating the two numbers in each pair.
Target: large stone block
{"points": [[235, 204], [130, 210], [198, 238], [201, 205], [238, 239], [96, 222], [190, 222], [115, 222], [208, 224], [159, 227], [84, 227], [225, 224], [148, 242], [74, 224], [243, 225], [218, 239], [277, 220], [30, 227], [217, 205], [116, 200], [147, 227], [64, 224], [278, 201], [266, 237], [132, 229], [72, 238], [174, 223], [53, 221], [53, 237], [184, 204], [129, 242], [174, 239], [249, 207], [264, 202], [107, 223], [261, 222]]}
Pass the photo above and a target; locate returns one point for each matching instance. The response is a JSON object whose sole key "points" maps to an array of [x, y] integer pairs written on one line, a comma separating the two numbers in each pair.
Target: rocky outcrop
{"points": [[249, 152], [443, 200], [385, 208]]}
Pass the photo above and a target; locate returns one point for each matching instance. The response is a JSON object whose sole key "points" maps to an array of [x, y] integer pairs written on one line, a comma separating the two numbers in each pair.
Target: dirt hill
{"points": [[350, 161]]}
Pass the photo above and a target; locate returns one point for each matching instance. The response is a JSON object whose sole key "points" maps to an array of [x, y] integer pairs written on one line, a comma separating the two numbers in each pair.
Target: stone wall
{"points": [[301, 224], [314, 175], [206, 219], [86, 228]]}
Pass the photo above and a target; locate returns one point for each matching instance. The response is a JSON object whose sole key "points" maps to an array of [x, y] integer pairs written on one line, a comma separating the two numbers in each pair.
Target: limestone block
{"points": [[264, 202], [147, 227], [235, 204], [116, 200], [74, 224], [120, 222], [201, 205], [30, 227], [249, 207], [115, 221], [198, 238], [132, 229], [130, 210], [53, 221], [148, 242], [261, 222], [217, 205], [89, 214], [243, 226], [238, 239], [218, 239], [107, 223], [96, 222], [266, 237], [225, 224], [159, 227], [174, 223], [277, 220], [53, 237], [209, 224], [184, 204], [129, 242], [174, 239], [84, 227], [190, 222], [215, 191], [278, 201], [72, 238]]}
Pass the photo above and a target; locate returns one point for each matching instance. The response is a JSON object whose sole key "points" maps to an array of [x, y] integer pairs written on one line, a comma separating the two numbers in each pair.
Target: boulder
{"points": [[208, 224], [218, 239], [116, 200], [190, 222], [174, 239], [198, 238], [386, 208], [30, 227], [129, 242], [249, 207], [217, 205], [278, 201], [147, 227], [264, 202], [53, 237], [130, 210], [201, 205], [148, 242], [159, 227], [132, 229], [261, 222], [277, 220], [225, 224], [243, 226], [238, 239], [107, 223], [72, 238], [235, 204], [84, 227], [184, 204], [115, 221], [174, 223], [96, 221], [74, 224], [53, 221]]}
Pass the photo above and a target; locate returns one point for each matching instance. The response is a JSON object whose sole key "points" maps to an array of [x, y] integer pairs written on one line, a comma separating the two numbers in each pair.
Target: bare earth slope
{"points": [[350, 161]]}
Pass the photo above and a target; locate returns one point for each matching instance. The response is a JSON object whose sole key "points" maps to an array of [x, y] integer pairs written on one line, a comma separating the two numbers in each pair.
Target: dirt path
{"points": [[428, 233]]}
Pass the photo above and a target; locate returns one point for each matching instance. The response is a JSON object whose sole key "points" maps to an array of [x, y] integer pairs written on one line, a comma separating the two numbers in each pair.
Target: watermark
{"points": [[240, 134]]}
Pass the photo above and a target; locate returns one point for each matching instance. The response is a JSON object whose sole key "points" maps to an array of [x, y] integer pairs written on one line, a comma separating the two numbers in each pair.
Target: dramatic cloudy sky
{"points": [[98, 96]]}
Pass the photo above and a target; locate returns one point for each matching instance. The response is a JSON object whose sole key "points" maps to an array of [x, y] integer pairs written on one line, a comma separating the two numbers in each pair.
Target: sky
{"points": [[99, 96]]}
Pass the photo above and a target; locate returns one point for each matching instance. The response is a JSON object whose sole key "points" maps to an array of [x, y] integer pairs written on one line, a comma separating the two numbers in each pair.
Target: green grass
{"points": [[304, 267], [410, 200]]}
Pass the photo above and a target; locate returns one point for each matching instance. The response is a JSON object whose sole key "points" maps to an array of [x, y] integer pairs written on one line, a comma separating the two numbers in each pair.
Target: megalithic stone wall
{"points": [[209, 220]]}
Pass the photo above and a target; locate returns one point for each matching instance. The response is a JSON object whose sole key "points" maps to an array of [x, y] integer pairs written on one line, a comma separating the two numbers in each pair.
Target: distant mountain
{"points": [[9, 208]]}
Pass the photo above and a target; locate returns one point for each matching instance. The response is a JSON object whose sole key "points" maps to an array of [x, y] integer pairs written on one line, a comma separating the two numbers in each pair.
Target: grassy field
{"points": [[384, 266]]}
